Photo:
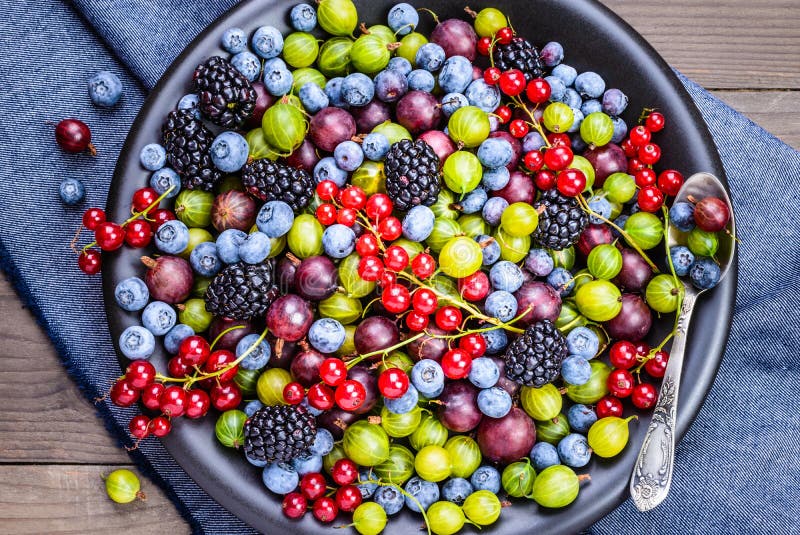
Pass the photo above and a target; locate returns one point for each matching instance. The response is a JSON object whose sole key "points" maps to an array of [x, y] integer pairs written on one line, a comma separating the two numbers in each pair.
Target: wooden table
{"points": [[746, 51]]}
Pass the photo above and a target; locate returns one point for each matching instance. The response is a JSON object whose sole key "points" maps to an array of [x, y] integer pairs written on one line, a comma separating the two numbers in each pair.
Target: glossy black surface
{"points": [[594, 39]]}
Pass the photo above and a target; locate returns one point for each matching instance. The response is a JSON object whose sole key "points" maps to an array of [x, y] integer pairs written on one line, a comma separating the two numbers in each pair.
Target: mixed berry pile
{"points": [[407, 271]]}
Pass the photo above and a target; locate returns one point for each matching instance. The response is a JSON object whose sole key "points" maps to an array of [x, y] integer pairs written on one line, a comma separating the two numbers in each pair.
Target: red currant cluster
{"points": [[625, 381], [334, 389], [136, 232], [313, 488]]}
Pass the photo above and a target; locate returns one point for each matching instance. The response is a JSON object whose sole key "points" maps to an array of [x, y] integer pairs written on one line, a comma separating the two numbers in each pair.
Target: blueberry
{"points": [[591, 106], [571, 98], [474, 201], [348, 155], [681, 216], [163, 179], [255, 248], [375, 146], [484, 372], [367, 489], [172, 237], [682, 260], [252, 406], [620, 130], [313, 97], [228, 243], [576, 370], [234, 40], [452, 101], [532, 141], [204, 259], [105, 89], [267, 42], [456, 490], [277, 77], [176, 335], [561, 280], [390, 498], [496, 179], [456, 74], [390, 85], [599, 205], [153, 157], [421, 80], [507, 276], [577, 119], [303, 17], [427, 377], [326, 335], [539, 262], [357, 89], [581, 418], [490, 249], [424, 492], [402, 65], [334, 91], [189, 103], [590, 84], [496, 341], [705, 273], [614, 101], [495, 152], [501, 305], [71, 191], [258, 357], [137, 343], [158, 318], [275, 219], [552, 54], [248, 64], [338, 241], [574, 451], [430, 57], [557, 88], [486, 478], [229, 152], [494, 402], [323, 442], [578, 145], [326, 169], [418, 223], [493, 210], [543, 455], [565, 73], [280, 478], [620, 222], [483, 95], [403, 18], [131, 294], [307, 464], [583, 342], [403, 404]]}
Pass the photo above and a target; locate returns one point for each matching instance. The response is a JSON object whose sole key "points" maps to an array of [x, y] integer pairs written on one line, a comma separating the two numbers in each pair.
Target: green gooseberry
{"points": [[599, 300], [542, 403], [445, 518], [229, 428], [370, 177], [569, 317], [307, 75], [585, 166], [443, 231], [409, 45], [443, 207], [432, 463], [365, 443], [616, 210], [565, 258], [604, 261], [334, 56], [398, 468], [352, 282], [619, 187], [305, 236], [384, 32], [512, 248], [337, 17], [194, 314], [230, 182], [270, 386], [595, 388], [259, 149], [430, 432], [557, 486], [284, 126], [482, 507], [558, 117], [349, 345], [553, 430], [277, 245], [581, 277], [462, 171], [473, 225], [469, 127], [518, 478], [369, 518], [400, 425], [446, 287], [460, 257], [200, 285], [663, 294], [247, 381], [393, 132], [519, 219], [465, 454], [341, 307], [702, 243], [370, 54], [597, 129], [396, 359], [645, 229], [122, 486], [196, 237], [193, 208], [608, 436], [300, 49], [488, 21]]}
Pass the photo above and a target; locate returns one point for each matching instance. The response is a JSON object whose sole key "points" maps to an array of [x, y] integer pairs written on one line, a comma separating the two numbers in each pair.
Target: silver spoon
{"points": [[652, 474]]}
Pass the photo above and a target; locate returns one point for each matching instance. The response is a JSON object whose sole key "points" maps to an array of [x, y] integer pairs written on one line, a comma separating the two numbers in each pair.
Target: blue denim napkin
{"points": [[737, 466]]}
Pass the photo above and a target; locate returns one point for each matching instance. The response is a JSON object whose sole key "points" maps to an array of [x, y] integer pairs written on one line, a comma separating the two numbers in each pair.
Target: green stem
{"points": [[223, 333]]}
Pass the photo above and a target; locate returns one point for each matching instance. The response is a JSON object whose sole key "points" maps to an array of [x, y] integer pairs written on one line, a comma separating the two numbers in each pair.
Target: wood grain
{"points": [[776, 111], [71, 499]]}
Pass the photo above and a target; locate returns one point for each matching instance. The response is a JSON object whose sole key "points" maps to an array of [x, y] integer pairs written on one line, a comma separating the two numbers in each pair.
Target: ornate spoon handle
{"points": [[652, 474]]}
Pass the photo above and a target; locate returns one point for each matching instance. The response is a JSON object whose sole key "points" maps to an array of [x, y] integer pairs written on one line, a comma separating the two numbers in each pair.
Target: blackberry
{"points": [[271, 181], [279, 433], [534, 359], [187, 142], [242, 291], [518, 54], [412, 174], [561, 222], [226, 96]]}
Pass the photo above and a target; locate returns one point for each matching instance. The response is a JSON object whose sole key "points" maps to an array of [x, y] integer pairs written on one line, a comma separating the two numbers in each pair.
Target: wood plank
{"points": [[71, 499], [776, 111], [722, 44]]}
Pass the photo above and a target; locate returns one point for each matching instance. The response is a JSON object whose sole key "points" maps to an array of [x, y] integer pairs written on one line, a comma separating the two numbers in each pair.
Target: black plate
{"points": [[594, 39]]}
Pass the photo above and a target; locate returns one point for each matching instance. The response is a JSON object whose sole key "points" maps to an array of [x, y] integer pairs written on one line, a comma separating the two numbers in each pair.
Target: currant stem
{"points": [[534, 123], [223, 333]]}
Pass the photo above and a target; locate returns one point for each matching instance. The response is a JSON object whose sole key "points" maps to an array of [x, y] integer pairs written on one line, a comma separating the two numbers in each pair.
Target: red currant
{"points": [[294, 505], [639, 136], [425, 301], [492, 75], [534, 160], [670, 182], [538, 90], [139, 426], [657, 365], [518, 128], [293, 393], [140, 373], [332, 371], [177, 367], [353, 197], [89, 261], [326, 214], [93, 217], [346, 217], [503, 113], [416, 321], [448, 318], [484, 46], [557, 139], [558, 158], [159, 217], [393, 383], [350, 395], [379, 206], [644, 396], [512, 82], [143, 198], [423, 265], [109, 236], [370, 268], [649, 154], [123, 394], [160, 426], [138, 234], [194, 350], [390, 228], [320, 397], [642, 350], [474, 344], [634, 166], [151, 395], [629, 148], [609, 406], [504, 35], [225, 397], [474, 287], [620, 383], [220, 360], [622, 355], [388, 278], [456, 364], [545, 180], [325, 509], [367, 245], [344, 472], [395, 298], [348, 498], [645, 177], [327, 190], [655, 122], [173, 401], [650, 199], [197, 403], [571, 182], [313, 485], [396, 258]]}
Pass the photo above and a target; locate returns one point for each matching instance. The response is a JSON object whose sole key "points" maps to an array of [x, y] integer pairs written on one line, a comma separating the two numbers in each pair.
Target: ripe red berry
{"points": [[346, 217], [151, 395], [93, 217], [140, 373], [197, 403], [425, 301], [395, 258], [350, 395], [448, 318], [320, 397], [474, 287], [74, 136], [367, 245], [379, 206], [390, 228], [609, 406], [492, 75], [650, 199], [484, 46], [160, 216], [123, 394], [518, 128], [456, 364], [139, 426], [639, 136], [534, 160], [393, 383], [313, 485], [194, 350], [219, 360], [225, 397], [293, 393], [557, 139], [109, 236], [326, 214], [649, 154], [645, 177], [348, 498], [370, 268], [538, 90], [160, 426], [558, 158], [503, 113], [644, 396], [143, 198], [327, 190], [395, 298], [635, 165], [344, 472], [416, 321], [294, 505], [89, 261], [657, 365], [622, 355], [177, 367], [325, 509], [138, 234], [423, 265], [571, 182], [504, 35], [629, 148], [332, 371], [620, 383], [512, 82], [173, 401], [474, 344], [388, 278], [670, 182], [545, 180], [353, 197], [655, 122]]}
